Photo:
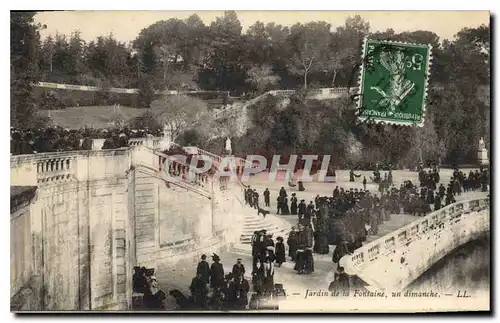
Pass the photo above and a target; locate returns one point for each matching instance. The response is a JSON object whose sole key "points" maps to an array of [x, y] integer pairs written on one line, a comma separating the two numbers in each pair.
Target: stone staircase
{"points": [[253, 222]]}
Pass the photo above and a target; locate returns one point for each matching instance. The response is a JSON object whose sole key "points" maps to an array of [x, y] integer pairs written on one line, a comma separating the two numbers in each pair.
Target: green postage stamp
{"points": [[393, 82]]}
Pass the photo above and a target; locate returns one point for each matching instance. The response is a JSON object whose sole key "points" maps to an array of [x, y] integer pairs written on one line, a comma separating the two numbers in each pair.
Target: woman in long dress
{"points": [[280, 252], [268, 274]]}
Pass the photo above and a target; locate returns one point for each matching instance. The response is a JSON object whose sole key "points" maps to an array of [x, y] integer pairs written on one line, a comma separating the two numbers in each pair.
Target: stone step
{"points": [[255, 222]]}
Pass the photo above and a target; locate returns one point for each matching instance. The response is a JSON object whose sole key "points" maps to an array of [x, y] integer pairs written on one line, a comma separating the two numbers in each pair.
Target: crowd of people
{"points": [[348, 216], [344, 219], [53, 139]]}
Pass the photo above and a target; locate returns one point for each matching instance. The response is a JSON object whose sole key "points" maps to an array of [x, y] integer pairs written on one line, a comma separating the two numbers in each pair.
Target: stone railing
{"points": [[179, 170], [81, 165], [55, 168], [91, 88], [225, 111], [363, 261]]}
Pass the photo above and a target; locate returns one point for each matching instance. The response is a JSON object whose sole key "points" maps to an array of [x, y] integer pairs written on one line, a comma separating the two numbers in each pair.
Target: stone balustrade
{"points": [[423, 231], [47, 168], [55, 169]]}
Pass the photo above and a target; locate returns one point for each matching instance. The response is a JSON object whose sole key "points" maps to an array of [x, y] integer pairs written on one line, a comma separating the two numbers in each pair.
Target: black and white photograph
{"points": [[250, 161]]}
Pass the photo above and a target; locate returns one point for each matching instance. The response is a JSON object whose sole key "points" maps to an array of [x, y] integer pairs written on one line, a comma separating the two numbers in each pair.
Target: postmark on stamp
{"points": [[393, 82]]}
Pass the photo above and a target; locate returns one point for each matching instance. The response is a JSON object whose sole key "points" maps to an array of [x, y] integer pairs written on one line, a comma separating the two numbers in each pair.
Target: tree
{"points": [[344, 48], [308, 45], [262, 78], [47, 54], [146, 91], [426, 145], [167, 55], [76, 48], [179, 112], [145, 121], [24, 72], [225, 58]]}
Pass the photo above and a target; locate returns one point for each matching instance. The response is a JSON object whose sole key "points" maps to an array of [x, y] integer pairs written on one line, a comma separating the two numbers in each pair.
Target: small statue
{"points": [[228, 146], [482, 146]]}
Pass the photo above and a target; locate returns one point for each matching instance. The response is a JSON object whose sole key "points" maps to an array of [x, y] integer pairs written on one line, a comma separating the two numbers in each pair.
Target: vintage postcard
{"points": [[246, 161]]}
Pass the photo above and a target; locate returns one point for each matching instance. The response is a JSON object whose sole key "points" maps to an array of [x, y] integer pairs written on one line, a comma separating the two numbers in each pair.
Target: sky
{"points": [[126, 25]]}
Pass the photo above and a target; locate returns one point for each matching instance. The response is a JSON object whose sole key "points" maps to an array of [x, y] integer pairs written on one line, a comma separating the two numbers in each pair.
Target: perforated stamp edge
{"points": [[359, 94]]}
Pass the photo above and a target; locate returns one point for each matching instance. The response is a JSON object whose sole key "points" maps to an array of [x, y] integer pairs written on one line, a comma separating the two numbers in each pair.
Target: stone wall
{"points": [[96, 215]]}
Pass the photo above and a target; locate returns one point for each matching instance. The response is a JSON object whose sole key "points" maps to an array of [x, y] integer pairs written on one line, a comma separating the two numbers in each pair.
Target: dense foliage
{"points": [[187, 54]]}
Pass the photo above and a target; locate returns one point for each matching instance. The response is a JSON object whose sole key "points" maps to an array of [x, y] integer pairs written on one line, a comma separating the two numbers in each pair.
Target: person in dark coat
{"points": [[268, 274], [154, 297], [302, 209], [300, 260], [437, 202], [283, 192], [301, 186], [182, 301], [109, 143], [238, 268], [286, 209], [199, 291], [340, 251], [87, 143], [308, 236], [255, 249], [238, 293], [255, 199], [364, 183], [216, 273], [267, 198], [280, 251], [280, 201], [246, 193], [139, 280], [308, 261], [203, 269], [321, 242], [293, 204], [292, 242]]}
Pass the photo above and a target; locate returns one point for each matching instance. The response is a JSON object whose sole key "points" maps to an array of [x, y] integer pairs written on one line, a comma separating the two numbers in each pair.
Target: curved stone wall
{"points": [[397, 259]]}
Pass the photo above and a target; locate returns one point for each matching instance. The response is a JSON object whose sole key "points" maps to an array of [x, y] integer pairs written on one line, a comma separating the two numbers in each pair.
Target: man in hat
{"points": [[203, 269], [238, 268], [267, 198], [216, 273]]}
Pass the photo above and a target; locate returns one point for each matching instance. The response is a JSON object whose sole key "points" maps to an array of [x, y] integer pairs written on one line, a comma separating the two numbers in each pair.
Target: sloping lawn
{"points": [[92, 116]]}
